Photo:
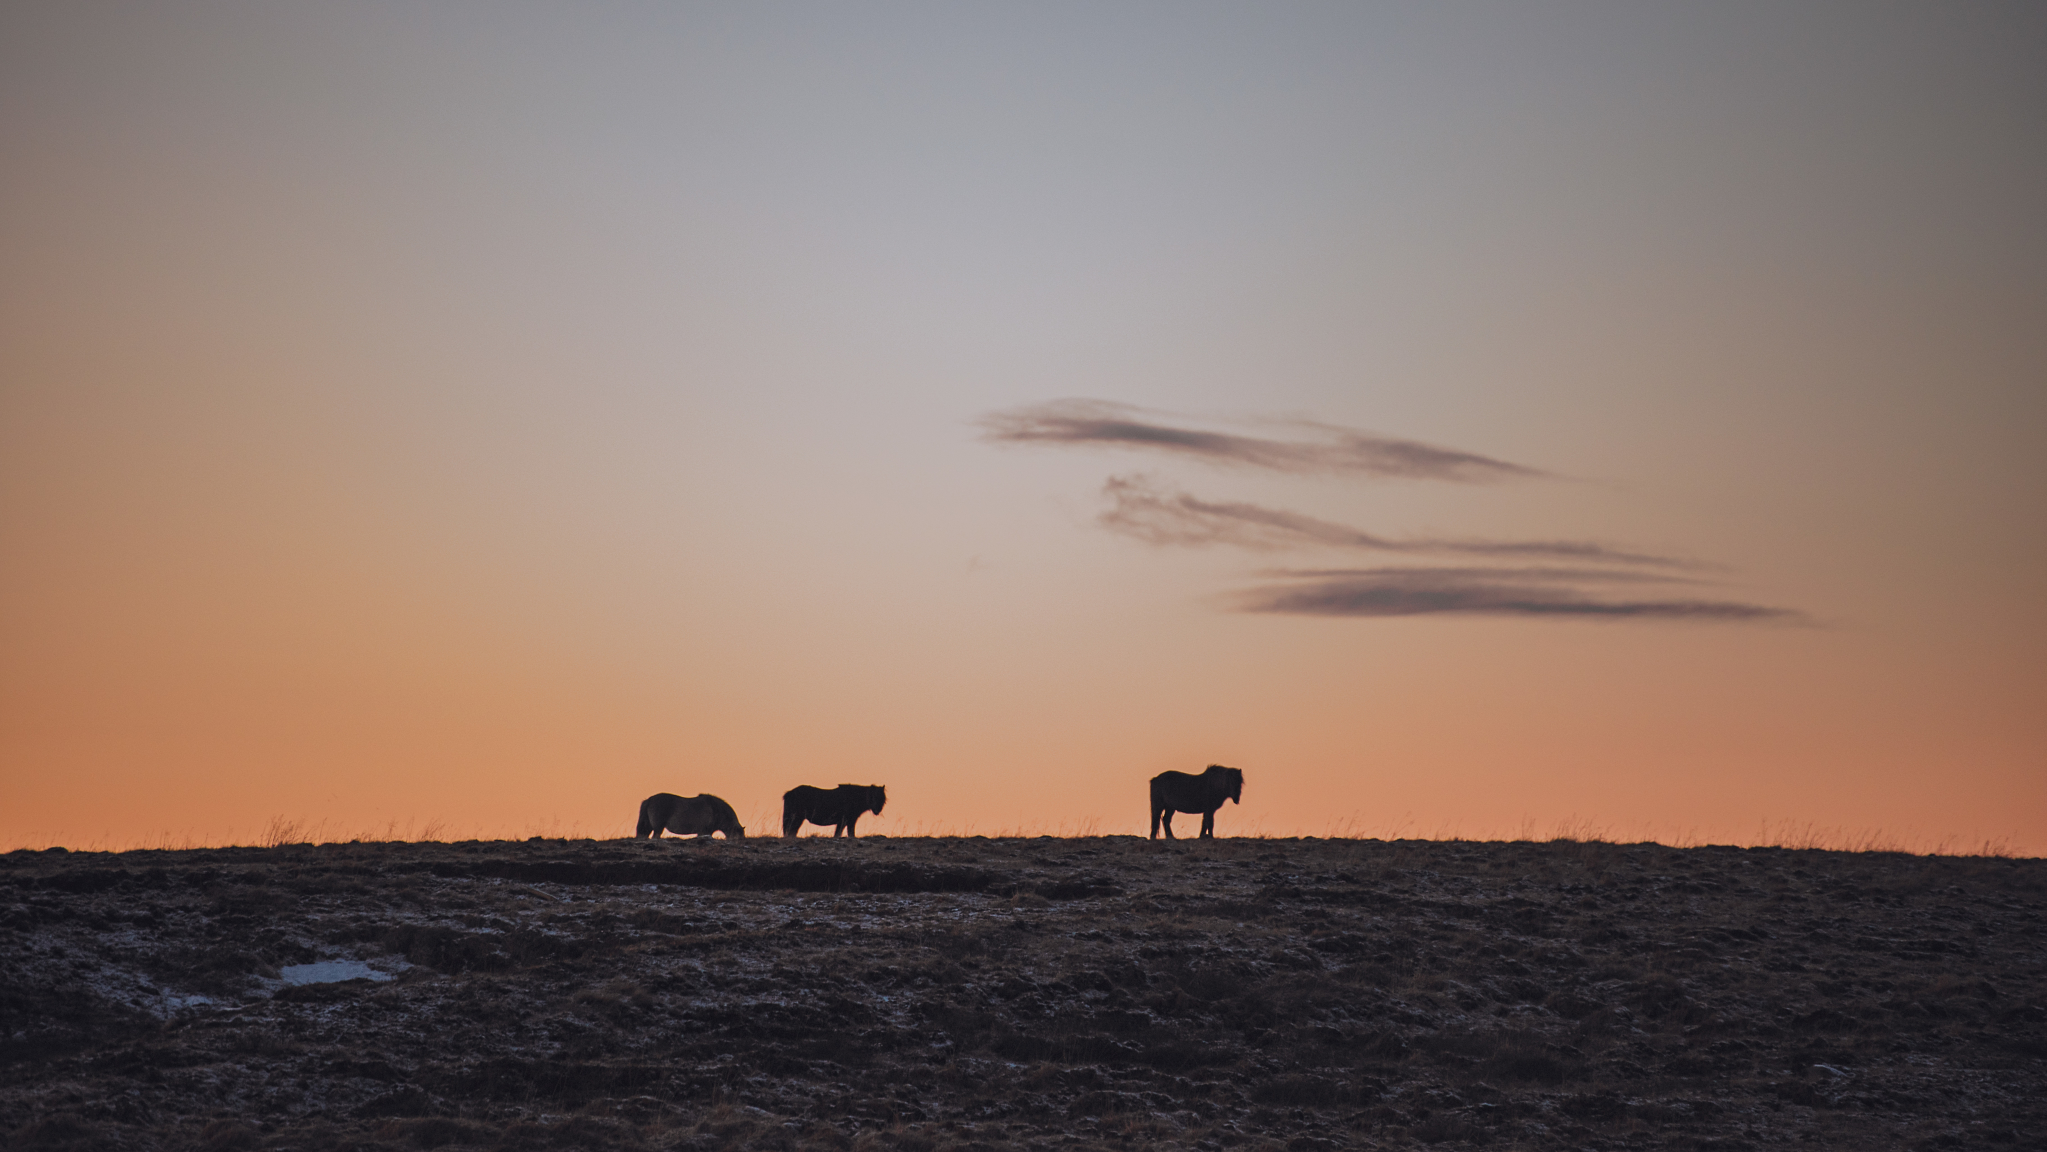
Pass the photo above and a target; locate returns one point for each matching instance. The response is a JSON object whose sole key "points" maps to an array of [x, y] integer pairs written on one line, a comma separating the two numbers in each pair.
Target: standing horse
{"points": [[1179, 792], [840, 807], [687, 816]]}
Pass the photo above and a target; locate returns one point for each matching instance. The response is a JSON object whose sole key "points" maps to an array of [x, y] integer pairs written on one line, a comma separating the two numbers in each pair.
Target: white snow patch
{"points": [[330, 972]]}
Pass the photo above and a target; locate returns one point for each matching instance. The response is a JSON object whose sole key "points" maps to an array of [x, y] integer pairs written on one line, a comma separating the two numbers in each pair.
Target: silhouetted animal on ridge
{"points": [[1179, 792], [687, 816], [840, 807]]}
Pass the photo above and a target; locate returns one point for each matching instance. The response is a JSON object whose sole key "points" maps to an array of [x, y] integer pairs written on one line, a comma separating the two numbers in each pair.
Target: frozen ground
{"points": [[330, 972], [1041, 993]]}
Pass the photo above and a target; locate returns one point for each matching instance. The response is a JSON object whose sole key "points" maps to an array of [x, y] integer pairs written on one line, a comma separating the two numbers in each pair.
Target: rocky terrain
{"points": [[1096, 993]]}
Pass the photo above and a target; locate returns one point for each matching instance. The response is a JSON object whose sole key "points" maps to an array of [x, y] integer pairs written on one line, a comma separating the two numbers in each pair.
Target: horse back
{"points": [[688, 815], [1185, 792], [836, 806], [802, 801], [655, 812]]}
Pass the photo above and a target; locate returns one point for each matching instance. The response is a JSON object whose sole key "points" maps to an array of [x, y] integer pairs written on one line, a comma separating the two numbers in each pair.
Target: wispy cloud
{"points": [[1554, 593], [1556, 579], [1326, 448], [1141, 508]]}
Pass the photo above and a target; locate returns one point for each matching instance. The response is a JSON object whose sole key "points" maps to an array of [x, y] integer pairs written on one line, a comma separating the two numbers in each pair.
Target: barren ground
{"points": [[925, 994]]}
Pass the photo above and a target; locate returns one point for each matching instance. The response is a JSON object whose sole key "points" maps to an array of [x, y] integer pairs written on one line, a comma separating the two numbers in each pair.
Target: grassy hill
{"points": [[925, 994]]}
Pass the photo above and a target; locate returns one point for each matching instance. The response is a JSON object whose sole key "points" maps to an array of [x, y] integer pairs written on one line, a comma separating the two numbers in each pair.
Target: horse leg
{"points": [[852, 830], [1208, 824], [1169, 825]]}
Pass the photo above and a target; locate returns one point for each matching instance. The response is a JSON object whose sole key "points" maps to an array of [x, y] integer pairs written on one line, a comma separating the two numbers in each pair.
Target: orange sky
{"points": [[469, 422]]}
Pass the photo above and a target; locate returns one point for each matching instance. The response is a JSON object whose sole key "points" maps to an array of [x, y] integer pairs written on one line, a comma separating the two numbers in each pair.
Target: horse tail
{"points": [[792, 813], [646, 827]]}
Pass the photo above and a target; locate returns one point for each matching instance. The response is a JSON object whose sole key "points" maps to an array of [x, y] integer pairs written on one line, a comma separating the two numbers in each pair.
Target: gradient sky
{"points": [[1465, 419]]}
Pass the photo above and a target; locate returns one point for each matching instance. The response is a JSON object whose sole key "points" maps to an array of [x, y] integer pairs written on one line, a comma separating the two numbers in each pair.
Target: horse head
{"points": [[1233, 782]]}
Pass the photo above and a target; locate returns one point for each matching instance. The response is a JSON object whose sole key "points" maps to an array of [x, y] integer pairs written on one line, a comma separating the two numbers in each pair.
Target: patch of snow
{"points": [[330, 972]]}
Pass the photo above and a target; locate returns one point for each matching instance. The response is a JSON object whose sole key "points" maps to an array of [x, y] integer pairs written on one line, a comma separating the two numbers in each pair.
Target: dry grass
{"points": [[283, 830]]}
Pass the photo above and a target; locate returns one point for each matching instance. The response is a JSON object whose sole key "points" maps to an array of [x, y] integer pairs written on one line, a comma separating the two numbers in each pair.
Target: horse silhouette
{"points": [[1180, 792], [840, 807], [687, 816]]}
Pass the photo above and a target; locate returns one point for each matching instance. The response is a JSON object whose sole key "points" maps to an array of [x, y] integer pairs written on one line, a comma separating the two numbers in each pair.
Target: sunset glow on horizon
{"points": [[1497, 422]]}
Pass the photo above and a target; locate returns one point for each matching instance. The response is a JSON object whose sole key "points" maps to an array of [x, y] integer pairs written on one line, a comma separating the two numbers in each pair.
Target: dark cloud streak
{"points": [[1332, 449], [1554, 593], [1140, 509]]}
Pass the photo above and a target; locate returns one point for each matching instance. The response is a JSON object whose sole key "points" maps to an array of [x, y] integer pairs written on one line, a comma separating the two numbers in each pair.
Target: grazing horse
{"points": [[1179, 792], [841, 806], [687, 816]]}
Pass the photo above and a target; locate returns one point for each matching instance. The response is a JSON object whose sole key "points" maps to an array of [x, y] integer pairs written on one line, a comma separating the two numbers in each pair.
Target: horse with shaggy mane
{"points": [[687, 816], [1180, 792], [841, 807]]}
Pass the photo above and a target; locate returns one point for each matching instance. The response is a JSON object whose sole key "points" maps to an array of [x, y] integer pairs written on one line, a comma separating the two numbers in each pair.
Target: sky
{"points": [[1487, 420]]}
